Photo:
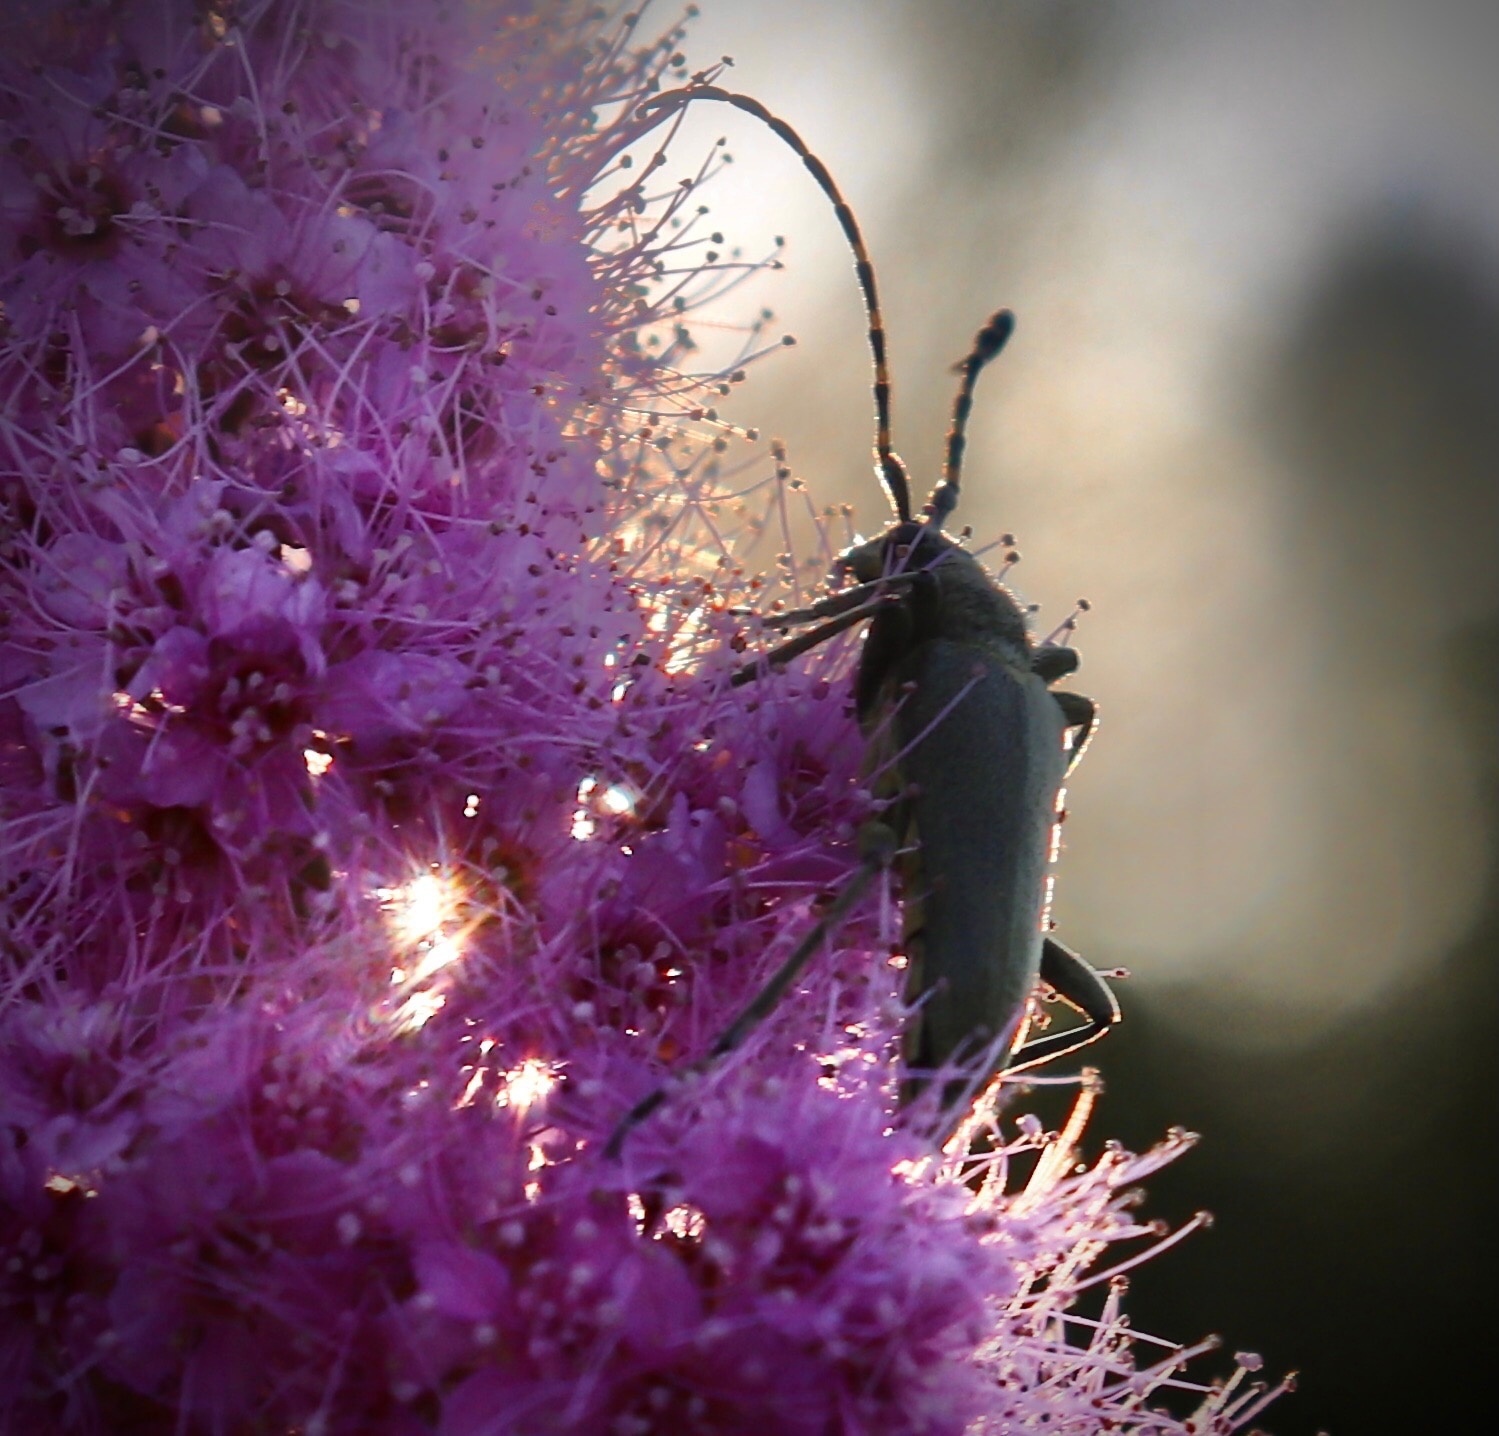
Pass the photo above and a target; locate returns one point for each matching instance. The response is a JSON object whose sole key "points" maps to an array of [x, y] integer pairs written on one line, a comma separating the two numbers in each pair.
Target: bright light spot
{"points": [[290, 404], [526, 1085], [685, 1221], [440, 954], [422, 921], [426, 904], [834, 1061], [317, 763], [474, 1084], [297, 560], [583, 826], [683, 657], [418, 911], [418, 1010], [618, 799], [617, 693], [471, 806]]}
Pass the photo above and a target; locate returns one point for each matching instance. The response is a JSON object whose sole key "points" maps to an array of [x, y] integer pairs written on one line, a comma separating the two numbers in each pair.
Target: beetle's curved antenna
{"points": [[888, 463], [986, 345]]}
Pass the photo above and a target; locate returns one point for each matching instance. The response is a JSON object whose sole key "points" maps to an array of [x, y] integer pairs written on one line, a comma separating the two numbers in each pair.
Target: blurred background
{"points": [[1252, 413]]}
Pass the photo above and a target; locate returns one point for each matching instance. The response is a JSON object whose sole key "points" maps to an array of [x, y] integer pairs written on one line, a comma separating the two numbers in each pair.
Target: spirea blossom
{"points": [[380, 824]]}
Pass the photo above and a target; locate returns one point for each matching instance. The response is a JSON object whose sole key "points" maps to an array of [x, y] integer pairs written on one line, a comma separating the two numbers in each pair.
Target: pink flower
{"points": [[378, 821]]}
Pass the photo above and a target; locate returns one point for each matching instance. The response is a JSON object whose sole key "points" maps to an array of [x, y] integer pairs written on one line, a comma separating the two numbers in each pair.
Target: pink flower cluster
{"points": [[378, 823]]}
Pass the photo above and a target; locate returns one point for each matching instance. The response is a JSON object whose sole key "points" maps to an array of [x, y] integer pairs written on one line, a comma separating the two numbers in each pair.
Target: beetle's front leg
{"points": [[833, 604], [845, 599], [873, 599]]}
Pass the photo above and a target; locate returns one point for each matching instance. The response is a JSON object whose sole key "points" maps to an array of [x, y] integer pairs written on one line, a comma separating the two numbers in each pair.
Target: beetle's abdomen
{"points": [[982, 743]]}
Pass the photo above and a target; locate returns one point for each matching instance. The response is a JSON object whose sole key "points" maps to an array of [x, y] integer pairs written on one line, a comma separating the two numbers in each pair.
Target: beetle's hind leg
{"points": [[877, 850], [1077, 984]]}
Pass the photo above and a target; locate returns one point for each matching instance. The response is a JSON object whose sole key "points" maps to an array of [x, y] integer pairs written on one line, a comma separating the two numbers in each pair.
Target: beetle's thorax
{"points": [[971, 605]]}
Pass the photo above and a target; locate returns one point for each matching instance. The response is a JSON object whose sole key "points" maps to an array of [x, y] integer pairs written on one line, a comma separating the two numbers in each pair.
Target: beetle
{"points": [[966, 737]]}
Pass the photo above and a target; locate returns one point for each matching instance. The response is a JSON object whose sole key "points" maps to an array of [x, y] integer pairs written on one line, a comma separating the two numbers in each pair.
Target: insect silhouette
{"points": [[968, 740]]}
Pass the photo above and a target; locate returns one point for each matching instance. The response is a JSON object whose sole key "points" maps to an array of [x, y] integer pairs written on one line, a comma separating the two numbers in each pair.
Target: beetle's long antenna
{"points": [[888, 464], [987, 343]]}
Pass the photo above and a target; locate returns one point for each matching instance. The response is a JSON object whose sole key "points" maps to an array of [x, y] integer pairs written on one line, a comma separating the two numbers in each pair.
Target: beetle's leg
{"points": [[794, 647], [891, 636], [843, 600], [1052, 661], [1082, 717], [842, 609], [863, 596], [1076, 983], [877, 847]]}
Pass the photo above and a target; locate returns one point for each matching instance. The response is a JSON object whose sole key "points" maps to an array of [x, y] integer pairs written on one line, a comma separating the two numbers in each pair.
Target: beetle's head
{"points": [[901, 548]]}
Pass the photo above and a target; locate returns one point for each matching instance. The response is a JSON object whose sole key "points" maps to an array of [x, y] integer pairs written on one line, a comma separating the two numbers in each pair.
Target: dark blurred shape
{"points": [[1353, 1182], [1387, 399], [1011, 80], [1362, 1253]]}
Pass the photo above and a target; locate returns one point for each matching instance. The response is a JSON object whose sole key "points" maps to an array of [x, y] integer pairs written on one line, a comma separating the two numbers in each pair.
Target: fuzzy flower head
{"points": [[379, 820]]}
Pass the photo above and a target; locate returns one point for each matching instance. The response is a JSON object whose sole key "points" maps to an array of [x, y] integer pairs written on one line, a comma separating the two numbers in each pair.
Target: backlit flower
{"points": [[378, 820]]}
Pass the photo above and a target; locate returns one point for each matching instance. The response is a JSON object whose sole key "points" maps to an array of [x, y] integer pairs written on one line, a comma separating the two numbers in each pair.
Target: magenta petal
{"points": [[463, 1283], [80, 572], [180, 769], [178, 667], [376, 697]]}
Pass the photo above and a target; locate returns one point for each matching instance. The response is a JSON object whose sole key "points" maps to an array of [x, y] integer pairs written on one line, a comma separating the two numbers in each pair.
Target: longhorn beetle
{"points": [[973, 744]]}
